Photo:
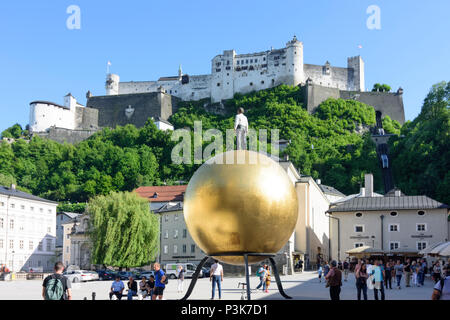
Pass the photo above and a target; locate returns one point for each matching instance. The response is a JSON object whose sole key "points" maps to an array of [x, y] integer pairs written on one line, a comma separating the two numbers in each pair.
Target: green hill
{"points": [[332, 144]]}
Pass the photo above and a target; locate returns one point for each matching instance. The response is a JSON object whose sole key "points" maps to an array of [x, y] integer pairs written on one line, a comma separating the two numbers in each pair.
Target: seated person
{"points": [[132, 288], [143, 291], [117, 288]]}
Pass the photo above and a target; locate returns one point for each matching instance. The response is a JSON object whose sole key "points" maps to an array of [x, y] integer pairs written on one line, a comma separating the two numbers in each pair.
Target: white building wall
{"points": [[43, 116], [23, 225], [407, 236]]}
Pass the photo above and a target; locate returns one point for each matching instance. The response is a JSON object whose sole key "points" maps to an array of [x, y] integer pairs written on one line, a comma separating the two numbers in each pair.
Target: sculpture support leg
{"points": [[277, 278], [247, 277], [194, 278]]}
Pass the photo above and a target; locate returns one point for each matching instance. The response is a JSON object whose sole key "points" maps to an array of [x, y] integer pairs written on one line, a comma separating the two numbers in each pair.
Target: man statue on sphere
{"points": [[241, 128]]}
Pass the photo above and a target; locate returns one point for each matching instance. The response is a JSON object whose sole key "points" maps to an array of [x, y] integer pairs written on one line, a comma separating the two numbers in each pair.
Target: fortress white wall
{"points": [[244, 73], [43, 116]]}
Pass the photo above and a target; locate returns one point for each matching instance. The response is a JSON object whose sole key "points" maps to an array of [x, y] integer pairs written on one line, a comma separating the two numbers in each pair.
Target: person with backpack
{"points": [[334, 279], [57, 286], [261, 273], [378, 279], [442, 287]]}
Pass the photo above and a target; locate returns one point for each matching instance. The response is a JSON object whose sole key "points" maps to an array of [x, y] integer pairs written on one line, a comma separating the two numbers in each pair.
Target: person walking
{"points": [[441, 290], [160, 282], [334, 278], [398, 273], [436, 272], [407, 270], [117, 288], [261, 273], [326, 269], [57, 286], [320, 271], [414, 271], [241, 128], [388, 275], [267, 278], [346, 269], [361, 281], [378, 278], [422, 270], [216, 276], [180, 276]]}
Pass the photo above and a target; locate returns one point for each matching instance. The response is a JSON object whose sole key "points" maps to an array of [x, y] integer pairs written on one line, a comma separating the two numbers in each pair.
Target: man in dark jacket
{"points": [[334, 278]]}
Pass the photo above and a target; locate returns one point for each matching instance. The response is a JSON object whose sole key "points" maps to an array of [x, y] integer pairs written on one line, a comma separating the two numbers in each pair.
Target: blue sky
{"points": [[41, 59]]}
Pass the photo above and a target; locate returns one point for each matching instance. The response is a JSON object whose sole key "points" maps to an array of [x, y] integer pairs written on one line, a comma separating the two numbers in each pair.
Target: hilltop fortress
{"points": [[135, 101]]}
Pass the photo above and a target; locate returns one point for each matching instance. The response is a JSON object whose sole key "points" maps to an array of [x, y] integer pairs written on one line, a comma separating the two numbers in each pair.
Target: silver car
{"points": [[78, 276]]}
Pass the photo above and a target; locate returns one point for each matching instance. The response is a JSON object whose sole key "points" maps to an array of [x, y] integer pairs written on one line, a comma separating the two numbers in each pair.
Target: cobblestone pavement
{"points": [[303, 286]]}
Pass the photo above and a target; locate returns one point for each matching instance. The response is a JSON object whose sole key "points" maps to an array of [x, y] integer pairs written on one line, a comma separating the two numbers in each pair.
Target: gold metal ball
{"points": [[240, 201]]}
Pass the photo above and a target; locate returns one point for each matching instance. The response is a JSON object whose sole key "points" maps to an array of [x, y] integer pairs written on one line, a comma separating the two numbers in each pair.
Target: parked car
{"points": [[106, 274], [206, 272], [171, 270], [124, 275], [78, 276], [146, 274], [94, 275]]}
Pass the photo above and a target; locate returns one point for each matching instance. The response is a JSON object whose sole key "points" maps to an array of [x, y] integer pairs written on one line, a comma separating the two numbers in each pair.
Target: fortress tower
{"points": [[357, 64], [112, 84], [294, 61]]}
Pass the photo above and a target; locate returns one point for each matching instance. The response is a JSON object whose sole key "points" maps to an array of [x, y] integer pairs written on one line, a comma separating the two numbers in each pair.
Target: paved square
{"points": [[304, 286]]}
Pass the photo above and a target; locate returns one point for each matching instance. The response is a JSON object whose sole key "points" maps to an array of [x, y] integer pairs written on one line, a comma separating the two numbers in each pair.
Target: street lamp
{"points": [[373, 241], [12, 267]]}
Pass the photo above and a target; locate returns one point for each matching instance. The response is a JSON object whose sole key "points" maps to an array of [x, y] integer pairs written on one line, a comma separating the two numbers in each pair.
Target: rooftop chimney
{"points": [[368, 184], [318, 181], [363, 192], [397, 193], [13, 186]]}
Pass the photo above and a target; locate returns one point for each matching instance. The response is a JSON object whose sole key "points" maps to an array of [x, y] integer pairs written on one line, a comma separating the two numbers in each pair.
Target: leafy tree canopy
{"points": [[123, 231]]}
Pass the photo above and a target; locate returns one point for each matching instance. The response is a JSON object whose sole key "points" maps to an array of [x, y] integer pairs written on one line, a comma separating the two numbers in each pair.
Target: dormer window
{"points": [[155, 195]]}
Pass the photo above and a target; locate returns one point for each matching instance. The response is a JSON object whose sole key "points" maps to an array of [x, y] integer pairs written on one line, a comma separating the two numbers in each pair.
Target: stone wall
{"points": [[62, 135], [112, 109]]}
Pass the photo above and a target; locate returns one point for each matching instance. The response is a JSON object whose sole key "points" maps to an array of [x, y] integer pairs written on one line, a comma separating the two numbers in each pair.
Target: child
{"points": [[320, 273]]}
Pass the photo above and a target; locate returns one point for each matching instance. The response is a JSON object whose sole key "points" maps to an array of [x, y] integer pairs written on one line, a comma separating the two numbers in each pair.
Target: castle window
{"points": [[246, 61], [218, 84], [262, 81], [228, 62], [251, 60], [227, 68], [283, 64], [277, 64], [421, 213], [264, 59], [218, 70], [238, 62], [256, 60], [217, 64], [251, 83], [276, 57]]}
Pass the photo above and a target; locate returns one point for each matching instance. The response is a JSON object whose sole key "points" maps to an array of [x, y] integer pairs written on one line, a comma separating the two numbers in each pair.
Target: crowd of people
{"points": [[378, 275]]}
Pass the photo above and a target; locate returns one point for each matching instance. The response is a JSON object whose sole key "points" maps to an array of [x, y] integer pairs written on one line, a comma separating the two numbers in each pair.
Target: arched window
{"points": [[358, 214], [421, 213], [393, 214]]}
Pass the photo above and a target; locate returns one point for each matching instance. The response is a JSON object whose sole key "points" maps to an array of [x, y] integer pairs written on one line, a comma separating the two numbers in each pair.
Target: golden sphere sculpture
{"points": [[240, 201]]}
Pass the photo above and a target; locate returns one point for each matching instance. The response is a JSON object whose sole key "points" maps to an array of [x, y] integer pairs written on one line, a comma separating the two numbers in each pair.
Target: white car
{"points": [[78, 276], [94, 275]]}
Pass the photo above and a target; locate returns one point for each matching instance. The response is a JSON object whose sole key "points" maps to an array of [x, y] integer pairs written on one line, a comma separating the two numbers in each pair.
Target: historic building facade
{"points": [[27, 231]]}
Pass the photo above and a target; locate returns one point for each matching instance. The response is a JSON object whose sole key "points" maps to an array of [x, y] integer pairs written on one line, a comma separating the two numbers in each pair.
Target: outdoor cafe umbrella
{"points": [[363, 251], [428, 249], [442, 249]]}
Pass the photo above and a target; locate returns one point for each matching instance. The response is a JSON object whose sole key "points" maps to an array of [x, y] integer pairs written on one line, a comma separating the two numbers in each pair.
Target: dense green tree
{"points": [[421, 159], [381, 87], [15, 132], [124, 232]]}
